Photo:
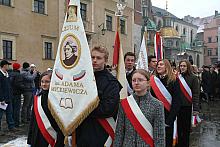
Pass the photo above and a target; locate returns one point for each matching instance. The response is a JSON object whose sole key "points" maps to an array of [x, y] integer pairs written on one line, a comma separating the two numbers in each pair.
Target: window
{"points": [[122, 25], [216, 51], [216, 38], [209, 39], [109, 23], [184, 31], [83, 10], [39, 6], [169, 43], [177, 28], [177, 43], [209, 52], [191, 36], [48, 50], [7, 49], [5, 2]]}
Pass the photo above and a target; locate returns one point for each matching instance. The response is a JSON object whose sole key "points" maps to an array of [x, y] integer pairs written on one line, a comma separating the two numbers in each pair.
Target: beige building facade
{"points": [[29, 30]]}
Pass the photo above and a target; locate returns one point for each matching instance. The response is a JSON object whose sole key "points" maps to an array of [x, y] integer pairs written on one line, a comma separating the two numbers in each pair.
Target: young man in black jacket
{"points": [[6, 94], [91, 133]]}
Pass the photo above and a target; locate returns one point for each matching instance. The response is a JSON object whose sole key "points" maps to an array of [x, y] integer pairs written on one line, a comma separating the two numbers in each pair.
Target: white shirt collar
{"points": [[4, 73]]}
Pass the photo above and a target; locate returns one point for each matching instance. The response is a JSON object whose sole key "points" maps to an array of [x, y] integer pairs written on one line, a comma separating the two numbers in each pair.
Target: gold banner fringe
{"points": [[78, 119]]}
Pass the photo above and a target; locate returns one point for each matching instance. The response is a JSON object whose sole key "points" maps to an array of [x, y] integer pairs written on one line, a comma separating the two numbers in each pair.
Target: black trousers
{"points": [[184, 125], [169, 136]]}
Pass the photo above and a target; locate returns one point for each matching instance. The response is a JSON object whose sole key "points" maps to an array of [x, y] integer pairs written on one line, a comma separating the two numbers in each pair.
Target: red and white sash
{"points": [[165, 97], [161, 92], [43, 122], [138, 120], [109, 125], [185, 88]]}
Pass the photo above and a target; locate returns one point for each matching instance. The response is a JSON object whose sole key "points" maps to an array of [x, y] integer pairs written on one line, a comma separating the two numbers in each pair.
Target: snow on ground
{"points": [[18, 142]]}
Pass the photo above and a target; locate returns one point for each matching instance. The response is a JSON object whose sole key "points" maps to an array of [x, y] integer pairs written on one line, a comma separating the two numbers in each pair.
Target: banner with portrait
{"points": [[73, 92]]}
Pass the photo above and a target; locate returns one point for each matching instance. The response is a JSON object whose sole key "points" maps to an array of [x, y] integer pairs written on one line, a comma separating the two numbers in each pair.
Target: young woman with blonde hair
{"points": [[165, 88]]}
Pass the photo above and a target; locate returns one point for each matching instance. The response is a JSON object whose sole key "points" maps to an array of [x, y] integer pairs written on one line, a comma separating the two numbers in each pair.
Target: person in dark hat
{"points": [[28, 80], [6, 94]]}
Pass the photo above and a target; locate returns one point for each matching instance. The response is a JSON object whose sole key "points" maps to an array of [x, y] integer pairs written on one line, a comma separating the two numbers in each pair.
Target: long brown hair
{"points": [[169, 71], [188, 65]]}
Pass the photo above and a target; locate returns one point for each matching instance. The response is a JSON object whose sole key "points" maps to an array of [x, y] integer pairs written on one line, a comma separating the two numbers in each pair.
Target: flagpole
{"points": [[74, 139], [145, 37], [74, 132]]}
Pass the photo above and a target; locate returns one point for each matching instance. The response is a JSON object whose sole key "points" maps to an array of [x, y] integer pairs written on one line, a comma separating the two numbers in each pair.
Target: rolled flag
{"points": [[158, 46], [73, 92], [118, 62], [195, 120], [142, 62]]}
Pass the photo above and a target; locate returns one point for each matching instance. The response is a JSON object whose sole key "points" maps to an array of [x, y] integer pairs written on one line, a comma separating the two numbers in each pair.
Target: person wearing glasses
{"points": [[140, 116], [165, 88], [43, 129]]}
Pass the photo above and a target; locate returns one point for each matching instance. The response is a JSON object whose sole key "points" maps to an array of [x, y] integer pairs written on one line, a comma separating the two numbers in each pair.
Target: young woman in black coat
{"points": [[36, 135]]}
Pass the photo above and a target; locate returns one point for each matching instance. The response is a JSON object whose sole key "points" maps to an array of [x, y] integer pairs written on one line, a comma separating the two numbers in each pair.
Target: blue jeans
{"points": [[16, 103], [9, 118]]}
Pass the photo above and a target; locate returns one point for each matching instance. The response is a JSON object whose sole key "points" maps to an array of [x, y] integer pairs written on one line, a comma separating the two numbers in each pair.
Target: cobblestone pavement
{"points": [[207, 134]]}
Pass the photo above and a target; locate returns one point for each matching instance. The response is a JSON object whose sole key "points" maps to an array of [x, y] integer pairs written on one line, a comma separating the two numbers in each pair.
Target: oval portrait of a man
{"points": [[70, 51]]}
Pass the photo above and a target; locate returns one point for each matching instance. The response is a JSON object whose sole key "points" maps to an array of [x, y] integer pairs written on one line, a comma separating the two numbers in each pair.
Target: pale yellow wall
{"points": [[28, 28], [103, 7]]}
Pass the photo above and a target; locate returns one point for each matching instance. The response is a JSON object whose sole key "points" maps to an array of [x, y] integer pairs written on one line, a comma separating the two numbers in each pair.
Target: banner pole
{"points": [[74, 139]]}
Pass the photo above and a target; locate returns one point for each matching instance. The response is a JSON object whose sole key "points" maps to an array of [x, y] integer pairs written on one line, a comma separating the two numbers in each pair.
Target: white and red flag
{"points": [[158, 46], [142, 62], [73, 92]]}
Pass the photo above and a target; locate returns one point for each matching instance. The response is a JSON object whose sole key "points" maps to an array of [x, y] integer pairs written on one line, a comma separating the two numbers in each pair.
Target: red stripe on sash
{"points": [[41, 126], [185, 93], [107, 127], [158, 94], [136, 124]]}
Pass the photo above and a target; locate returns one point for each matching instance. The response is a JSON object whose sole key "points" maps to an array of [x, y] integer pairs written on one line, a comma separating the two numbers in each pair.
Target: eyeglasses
{"points": [[138, 80], [46, 82]]}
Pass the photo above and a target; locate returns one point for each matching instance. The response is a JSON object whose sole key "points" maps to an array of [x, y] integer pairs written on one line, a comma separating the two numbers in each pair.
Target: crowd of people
{"points": [[157, 111]]}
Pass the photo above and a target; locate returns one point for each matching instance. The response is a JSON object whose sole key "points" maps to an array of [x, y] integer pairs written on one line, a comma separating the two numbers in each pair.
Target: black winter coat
{"points": [[90, 133], [174, 89], [35, 138], [17, 82], [5, 89]]}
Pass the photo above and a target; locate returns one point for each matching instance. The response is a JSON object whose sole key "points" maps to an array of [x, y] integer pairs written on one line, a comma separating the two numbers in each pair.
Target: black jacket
{"points": [[5, 89], [17, 82], [90, 133], [35, 138], [174, 89], [129, 77]]}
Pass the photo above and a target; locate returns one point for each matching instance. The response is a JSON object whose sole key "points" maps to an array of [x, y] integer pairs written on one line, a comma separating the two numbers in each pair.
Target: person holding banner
{"points": [[189, 85], [43, 129], [94, 130], [165, 88], [141, 116]]}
